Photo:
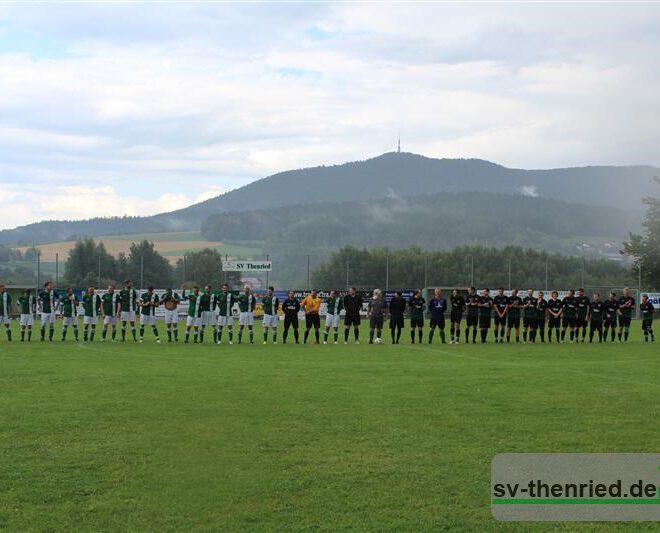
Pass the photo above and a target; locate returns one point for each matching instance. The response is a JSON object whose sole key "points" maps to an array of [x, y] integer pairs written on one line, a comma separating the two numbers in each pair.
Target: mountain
{"points": [[389, 175]]}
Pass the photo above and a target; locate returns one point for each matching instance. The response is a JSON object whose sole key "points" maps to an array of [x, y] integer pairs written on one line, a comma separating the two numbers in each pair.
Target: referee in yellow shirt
{"points": [[311, 305]]}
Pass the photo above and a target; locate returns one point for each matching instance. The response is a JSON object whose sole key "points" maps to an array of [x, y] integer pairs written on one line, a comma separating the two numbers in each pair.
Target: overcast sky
{"points": [[140, 108]]}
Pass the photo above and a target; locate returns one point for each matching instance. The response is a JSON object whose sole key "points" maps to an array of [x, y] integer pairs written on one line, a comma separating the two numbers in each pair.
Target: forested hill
{"points": [[432, 220], [388, 175]]}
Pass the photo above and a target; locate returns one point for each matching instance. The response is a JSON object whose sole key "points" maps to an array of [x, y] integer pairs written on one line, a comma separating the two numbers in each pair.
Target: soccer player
{"points": [[554, 316], [352, 306], [485, 308], [595, 317], [472, 318], [541, 311], [91, 311], [271, 304], [291, 308], [129, 298], [28, 304], [149, 301], [49, 301], [581, 312], [397, 310], [311, 305], [194, 313], [626, 305], [170, 301], [501, 306], [377, 307], [208, 303], [529, 315], [111, 309], [69, 314], [513, 315], [568, 311], [647, 309], [611, 312], [437, 307], [5, 310], [246, 304], [226, 303], [457, 303], [417, 305], [334, 304]]}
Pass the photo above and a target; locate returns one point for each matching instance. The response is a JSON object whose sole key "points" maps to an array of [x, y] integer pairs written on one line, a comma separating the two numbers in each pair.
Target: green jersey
{"points": [[27, 304], [49, 301], [91, 304], [70, 306], [111, 303], [5, 304], [270, 304], [335, 305], [246, 303], [149, 304], [195, 305], [128, 299], [226, 303], [207, 301]]}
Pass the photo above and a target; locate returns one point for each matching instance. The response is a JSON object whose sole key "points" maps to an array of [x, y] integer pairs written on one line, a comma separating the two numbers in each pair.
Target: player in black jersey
{"points": [[568, 315], [582, 312], [501, 306], [611, 312], [539, 326], [596, 317], [457, 303], [647, 309], [513, 315], [554, 316], [485, 310], [472, 318], [529, 315]]}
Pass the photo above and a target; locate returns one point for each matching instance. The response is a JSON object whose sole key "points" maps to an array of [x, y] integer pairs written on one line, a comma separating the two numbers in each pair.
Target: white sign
{"points": [[247, 266]]}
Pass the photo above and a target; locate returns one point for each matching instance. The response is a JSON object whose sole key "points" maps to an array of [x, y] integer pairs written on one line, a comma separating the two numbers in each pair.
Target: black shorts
{"points": [[396, 321], [500, 321], [596, 324], [312, 320], [554, 322], [568, 322], [352, 320], [581, 322], [376, 322], [647, 323], [610, 322], [472, 320], [456, 317], [624, 321], [416, 322], [484, 322], [290, 321], [440, 322], [513, 322], [529, 322]]}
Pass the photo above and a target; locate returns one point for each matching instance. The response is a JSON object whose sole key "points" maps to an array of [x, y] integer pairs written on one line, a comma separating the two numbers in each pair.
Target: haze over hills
{"points": [[391, 175]]}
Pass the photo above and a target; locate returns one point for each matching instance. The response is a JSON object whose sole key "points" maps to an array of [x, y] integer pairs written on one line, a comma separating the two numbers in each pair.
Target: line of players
{"points": [[572, 315]]}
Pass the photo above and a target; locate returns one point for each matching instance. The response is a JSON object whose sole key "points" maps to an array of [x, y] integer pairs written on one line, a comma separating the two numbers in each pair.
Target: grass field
{"points": [[190, 437]]}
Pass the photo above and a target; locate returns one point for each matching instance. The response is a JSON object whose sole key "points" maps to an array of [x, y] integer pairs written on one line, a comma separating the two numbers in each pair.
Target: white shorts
{"points": [[331, 321], [48, 318], [26, 320], [171, 316], [147, 320], [110, 320], [270, 321], [245, 319], [128, 316], [192, 321], [208, 318], [70, 321], [225, 320], [93, 320], [4, 320]]}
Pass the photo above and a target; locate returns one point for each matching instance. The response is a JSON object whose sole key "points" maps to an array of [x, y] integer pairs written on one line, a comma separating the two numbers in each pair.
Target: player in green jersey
{"points": [[5, 310], [91, 312], [28, 304], [246, 304], [49, 301], [334, 307], [226, 302], [129, 305], [110, 308], [69, 314], [270, 304], [148, 304], [208, 304], [194, 313]]}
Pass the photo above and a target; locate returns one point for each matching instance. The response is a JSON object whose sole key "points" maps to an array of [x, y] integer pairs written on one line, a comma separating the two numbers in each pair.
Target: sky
{"points": [[119, 108]]}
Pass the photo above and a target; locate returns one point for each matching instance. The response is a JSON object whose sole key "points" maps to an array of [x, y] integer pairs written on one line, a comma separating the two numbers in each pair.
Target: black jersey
{"points": [[501, 302], [457, 304], [569, 306], [515, 303], [485, 305], [352, 304], [611, 307], [582, 306], [471, 304], [541, 306], [397, 306], [647, 310], [291, 306], [597, 311], [626, 304], [529, 303], [554, 305]]}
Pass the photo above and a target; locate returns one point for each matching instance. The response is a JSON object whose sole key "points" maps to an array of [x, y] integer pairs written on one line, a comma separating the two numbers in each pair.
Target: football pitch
{"points": [[292, 437]]}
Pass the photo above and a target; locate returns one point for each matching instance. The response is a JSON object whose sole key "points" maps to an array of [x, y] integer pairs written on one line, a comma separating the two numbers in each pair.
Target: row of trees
{"points": [[8, 254]]}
